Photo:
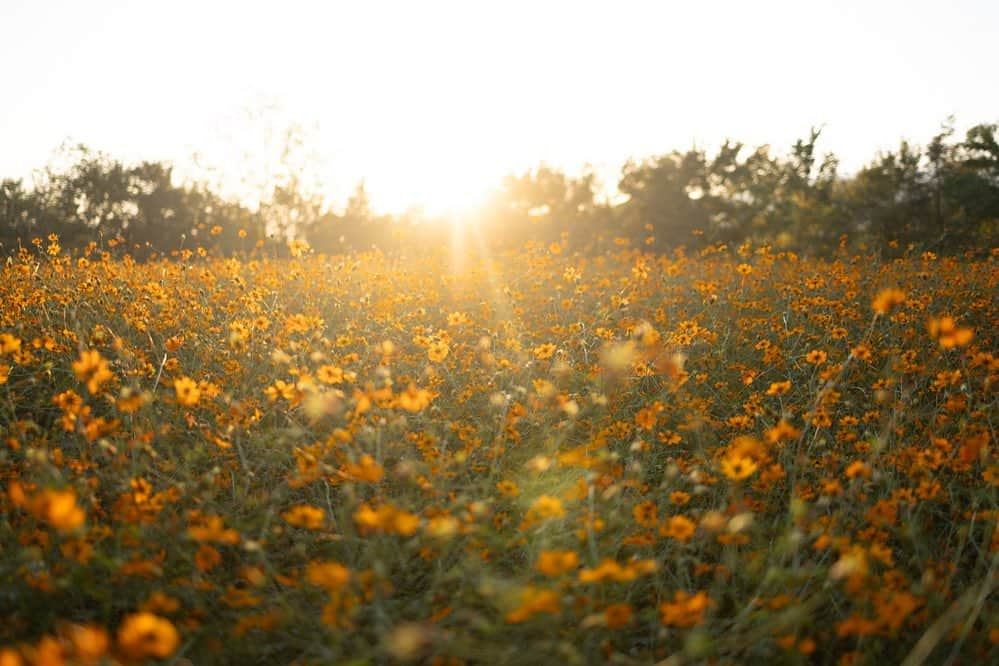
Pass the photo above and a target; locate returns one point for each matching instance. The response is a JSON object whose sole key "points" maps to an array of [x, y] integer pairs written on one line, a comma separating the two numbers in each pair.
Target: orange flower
{"points": [[646, 514], [816, 357], [617, 615], [947, 334], [93, 370], [305, 515], [366, 469], [144, 635], [533, 601], [607, 570], [438, 351], [207, 558], [414, 399], [9, 344], [331, 576], [887, 299], [90, 642], [737, 468], [679, 497], [212, 528], [680, 528], [187, 391], [858, 468], [329, 374], [508, 488], [556, 562], [547, 506], [686, 610], [779, 388], [386, 518], [544, 351]]}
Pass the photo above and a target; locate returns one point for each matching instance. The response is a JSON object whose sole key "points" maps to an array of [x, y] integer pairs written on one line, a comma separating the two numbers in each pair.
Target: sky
{"points": [[431, 103]]}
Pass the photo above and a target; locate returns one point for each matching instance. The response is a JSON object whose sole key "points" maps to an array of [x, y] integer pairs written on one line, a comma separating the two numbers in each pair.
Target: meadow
{"points": [[532, 456]]}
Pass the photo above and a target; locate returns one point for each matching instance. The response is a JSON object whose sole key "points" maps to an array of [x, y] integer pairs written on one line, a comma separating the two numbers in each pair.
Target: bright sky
{"points": [[432, 102]]}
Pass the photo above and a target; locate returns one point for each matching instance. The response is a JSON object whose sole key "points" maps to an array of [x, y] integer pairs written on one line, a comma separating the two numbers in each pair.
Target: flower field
{"points": [[538, 456]]}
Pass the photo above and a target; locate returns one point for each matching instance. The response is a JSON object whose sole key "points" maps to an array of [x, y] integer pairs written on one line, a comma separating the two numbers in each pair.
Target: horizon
{"points": [[432, 109]]}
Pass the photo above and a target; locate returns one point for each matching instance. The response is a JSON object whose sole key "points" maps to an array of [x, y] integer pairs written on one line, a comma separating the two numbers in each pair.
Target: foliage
{"points": [[943, 198]]}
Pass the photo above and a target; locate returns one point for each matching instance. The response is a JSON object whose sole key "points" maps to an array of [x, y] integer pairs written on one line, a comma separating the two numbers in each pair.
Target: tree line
{"points": [[943, 197]]}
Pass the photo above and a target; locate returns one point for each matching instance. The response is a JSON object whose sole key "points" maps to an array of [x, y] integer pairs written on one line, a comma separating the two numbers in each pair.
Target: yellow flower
{"points": [[646, 514], [508, 488], [438, 351], [90, 642], [816, 357], [779, 388], [144, 635], [617, 615], [92, 369], [680, 528], [187, 391], [686, 610], [556, 562], [305, 515], [544, 351], [212, 528], [738, 467], [947, 333], [414, 399], [547, 506], [887, 299], [331, 576], [535, 601], [329, 374], [9, 344]]}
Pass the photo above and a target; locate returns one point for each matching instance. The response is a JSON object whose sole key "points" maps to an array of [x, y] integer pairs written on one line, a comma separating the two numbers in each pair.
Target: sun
{"points": [[437, 188]]}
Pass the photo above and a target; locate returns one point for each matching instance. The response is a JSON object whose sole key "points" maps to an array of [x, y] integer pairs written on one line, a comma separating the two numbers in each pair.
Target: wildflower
{"points": [[547, 506], [92, 369], [187, 391], [207, 558], [386, 518], [306, 516], [607, 570], [646, 418], [508, 488], [779, 388], [557, 562], [212, 529], [366, 469], [544, 351], [144, 635], [9, 344], [331, 576], [686, 610], [947, 334], [617, 615], [414, 399], [532, 602], [646, 514], [887, 300], [56, 507], [89, 642], [679, 497], [816, 357], [738, 468], [680, 528], [330, 374], [438, 351], [858, 468]]}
